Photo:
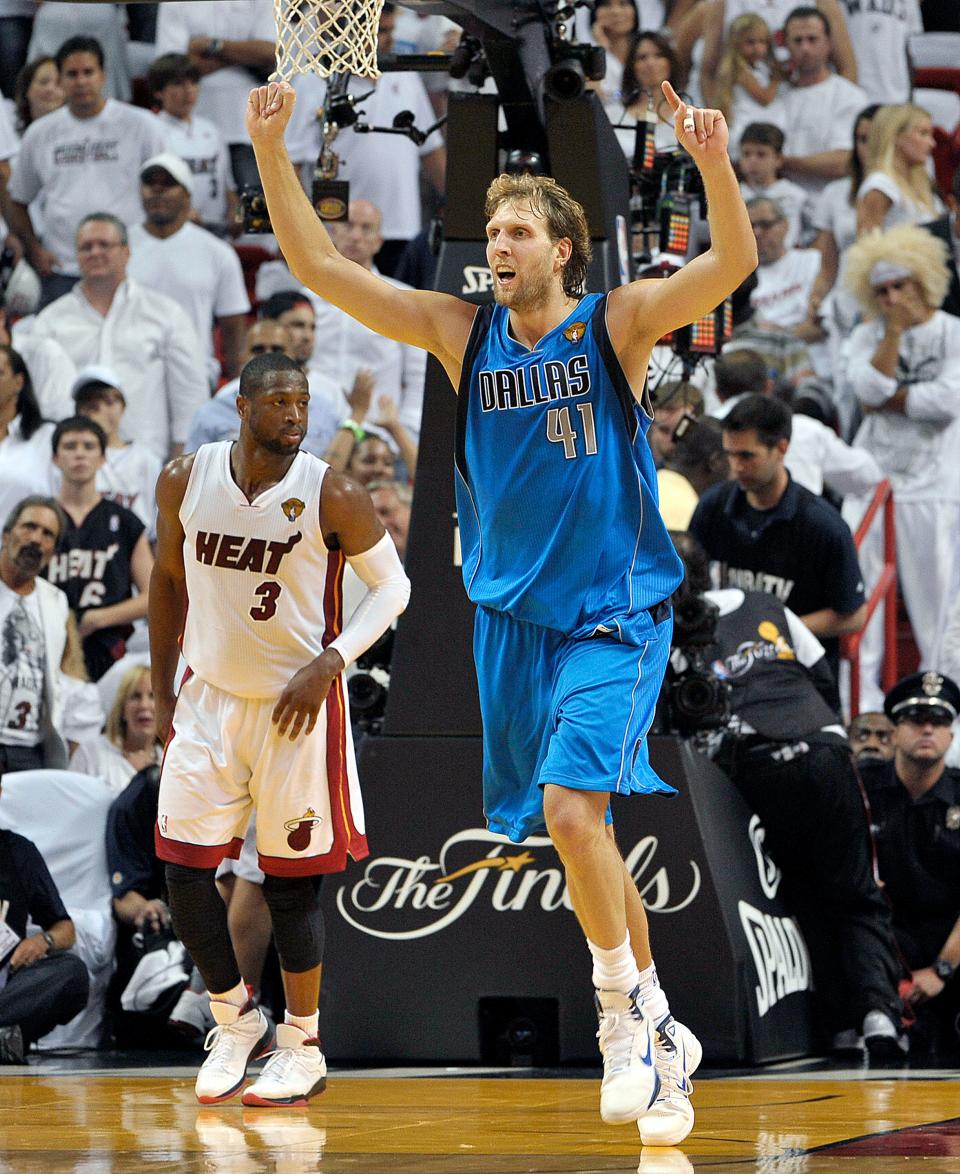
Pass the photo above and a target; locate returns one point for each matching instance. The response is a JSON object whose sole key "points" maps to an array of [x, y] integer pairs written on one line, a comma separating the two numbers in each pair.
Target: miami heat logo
{"points": [[292, 508], [299, 829], [575, 332]]}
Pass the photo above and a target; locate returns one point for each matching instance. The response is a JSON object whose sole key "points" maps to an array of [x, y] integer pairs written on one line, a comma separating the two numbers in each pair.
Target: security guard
{"points": [[915, 802]]}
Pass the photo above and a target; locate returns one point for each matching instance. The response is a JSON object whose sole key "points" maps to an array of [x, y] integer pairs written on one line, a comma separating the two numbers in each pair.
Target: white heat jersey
{"points": [[263, 591]]}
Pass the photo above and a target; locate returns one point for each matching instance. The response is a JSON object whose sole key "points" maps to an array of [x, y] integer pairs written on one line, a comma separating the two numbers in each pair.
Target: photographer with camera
{"points": [[762, 677]]}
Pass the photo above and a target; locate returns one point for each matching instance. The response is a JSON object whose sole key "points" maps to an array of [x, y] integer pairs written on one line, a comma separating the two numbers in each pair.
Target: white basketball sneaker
{"points": [[630, 1082], [295, 1072], [678, 1055], [239, 1037]]}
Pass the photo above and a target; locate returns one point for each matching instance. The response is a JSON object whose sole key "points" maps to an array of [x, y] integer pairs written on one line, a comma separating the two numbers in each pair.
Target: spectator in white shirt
{"points": [[345, 348], [761, 156], [820, 106], [51, 369], [38, 91], [143, 335], [26, 466], [817, 457], [130, 472], [880, 34], [129, 739], [785, 277], [233, 44], [904, 366], [169, 253], [82, 157], [174, 81], [897, 188]]}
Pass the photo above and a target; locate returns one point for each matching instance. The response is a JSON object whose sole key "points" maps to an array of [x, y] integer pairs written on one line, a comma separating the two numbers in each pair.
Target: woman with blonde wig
{"points": [[897, 187], [129, 740], [904, 368]]}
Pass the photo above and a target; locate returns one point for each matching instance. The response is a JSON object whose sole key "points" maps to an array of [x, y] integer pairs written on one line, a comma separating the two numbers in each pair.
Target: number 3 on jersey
{"points": [[560, 430], [269, 593]]}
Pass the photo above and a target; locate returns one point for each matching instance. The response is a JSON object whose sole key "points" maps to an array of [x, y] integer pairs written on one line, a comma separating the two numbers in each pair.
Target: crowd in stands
{"points": [[132, 297]]}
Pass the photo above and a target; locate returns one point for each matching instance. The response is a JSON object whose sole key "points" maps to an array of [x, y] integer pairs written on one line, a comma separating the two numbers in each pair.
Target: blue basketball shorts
{"points": [[574, 712]]}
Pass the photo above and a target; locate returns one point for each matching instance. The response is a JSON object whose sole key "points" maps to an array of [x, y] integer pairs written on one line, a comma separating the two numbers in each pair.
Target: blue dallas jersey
{"points": [[556, 487]]}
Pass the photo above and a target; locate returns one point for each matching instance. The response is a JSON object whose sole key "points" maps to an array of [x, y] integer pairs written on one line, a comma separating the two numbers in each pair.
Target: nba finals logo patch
{"points": [[292, 508], [299, 829], [575, 332]]}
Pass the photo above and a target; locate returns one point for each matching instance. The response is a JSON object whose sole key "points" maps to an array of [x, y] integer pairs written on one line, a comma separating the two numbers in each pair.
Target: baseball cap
{"points": [[922, 695], [96, 374], [173, 165]]}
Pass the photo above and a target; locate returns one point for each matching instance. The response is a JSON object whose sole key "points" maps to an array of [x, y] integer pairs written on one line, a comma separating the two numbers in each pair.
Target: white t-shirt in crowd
{"points": [[880, 34], [84, 165], [820, 118], [791, 198], [918, 449], [223, 93], [903, 208], [100, 757], [22, 668], [199, 271], [831, 211], [783, 290], [200, 144], [52, 371], [9, 143], [384, 169], [153, 347], [747, 109], [130, 477], [26, 466]]}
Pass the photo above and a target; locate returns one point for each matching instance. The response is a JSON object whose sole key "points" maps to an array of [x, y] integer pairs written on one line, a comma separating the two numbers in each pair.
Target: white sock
{"points": [[307, 1023], [616, 969], [654, 1000], [239, 996]]}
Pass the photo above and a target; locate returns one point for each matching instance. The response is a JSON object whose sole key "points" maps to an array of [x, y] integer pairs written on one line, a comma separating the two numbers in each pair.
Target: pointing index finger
{"points": [[671, 95]]}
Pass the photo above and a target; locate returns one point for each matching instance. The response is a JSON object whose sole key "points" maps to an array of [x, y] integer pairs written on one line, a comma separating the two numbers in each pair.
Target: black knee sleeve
{"points": [[298, 927], [200, 921]]}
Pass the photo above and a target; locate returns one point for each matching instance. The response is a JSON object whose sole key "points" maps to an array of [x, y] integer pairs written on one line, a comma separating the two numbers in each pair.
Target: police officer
{"points": [[915, 803]]}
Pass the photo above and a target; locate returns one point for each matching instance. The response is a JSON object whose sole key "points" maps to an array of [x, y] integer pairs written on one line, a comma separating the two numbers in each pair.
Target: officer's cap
{"points": [[922, 693]]}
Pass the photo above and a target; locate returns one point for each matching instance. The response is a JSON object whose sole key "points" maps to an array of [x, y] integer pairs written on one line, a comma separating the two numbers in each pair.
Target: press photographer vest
{"points": [[770, 689]]}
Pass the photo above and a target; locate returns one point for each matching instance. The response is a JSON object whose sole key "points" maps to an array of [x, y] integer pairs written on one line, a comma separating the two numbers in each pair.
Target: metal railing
{"points": [[884, 591]]}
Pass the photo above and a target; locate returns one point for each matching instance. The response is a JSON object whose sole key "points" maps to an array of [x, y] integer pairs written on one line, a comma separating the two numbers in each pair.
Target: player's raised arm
{"points": [[168, 596], [439, 323], [644, 311]]}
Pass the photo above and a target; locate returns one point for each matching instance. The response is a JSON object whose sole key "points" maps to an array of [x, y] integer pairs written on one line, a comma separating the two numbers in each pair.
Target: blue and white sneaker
{"points": [[627, 1043], [678, 1055]]}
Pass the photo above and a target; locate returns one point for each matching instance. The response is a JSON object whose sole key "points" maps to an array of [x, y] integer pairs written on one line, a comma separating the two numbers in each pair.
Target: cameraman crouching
{"points": [[786, 750]]}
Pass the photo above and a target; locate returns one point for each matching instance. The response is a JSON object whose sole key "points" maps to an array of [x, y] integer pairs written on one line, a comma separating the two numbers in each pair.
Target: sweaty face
{"points": [[524, 261], [277, 415]]}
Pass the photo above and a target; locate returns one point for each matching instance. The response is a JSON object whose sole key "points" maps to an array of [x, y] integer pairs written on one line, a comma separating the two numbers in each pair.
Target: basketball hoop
{"points": [[327, 37]]}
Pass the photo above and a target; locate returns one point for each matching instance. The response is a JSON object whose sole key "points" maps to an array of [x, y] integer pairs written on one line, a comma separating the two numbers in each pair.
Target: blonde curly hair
{"points": [[923, 255]]}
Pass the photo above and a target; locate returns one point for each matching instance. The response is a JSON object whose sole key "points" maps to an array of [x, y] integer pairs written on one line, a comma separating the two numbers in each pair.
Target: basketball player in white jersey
{"points": [[252, 537]]}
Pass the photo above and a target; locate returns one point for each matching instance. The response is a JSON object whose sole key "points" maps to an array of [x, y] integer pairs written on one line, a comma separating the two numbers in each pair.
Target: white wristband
{"points": [[388, 591]]}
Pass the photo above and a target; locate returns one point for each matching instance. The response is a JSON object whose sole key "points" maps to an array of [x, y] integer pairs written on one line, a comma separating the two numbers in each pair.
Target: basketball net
{"points": [[326, 37]]}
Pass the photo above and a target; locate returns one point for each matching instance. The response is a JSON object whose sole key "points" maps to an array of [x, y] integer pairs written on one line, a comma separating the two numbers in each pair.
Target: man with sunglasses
{"points": [[915, 806]]}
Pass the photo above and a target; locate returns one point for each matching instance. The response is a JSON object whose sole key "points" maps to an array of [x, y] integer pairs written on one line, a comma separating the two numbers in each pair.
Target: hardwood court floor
{"points": [[58, 1116]]}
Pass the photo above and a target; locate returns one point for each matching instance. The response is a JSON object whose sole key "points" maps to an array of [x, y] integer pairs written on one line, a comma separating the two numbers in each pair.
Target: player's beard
{"points": [[528, 293], [273, 444]]}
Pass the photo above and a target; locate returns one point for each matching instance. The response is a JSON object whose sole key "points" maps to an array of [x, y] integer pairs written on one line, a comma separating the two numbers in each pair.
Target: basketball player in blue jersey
{"points": [[564, 551]]}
